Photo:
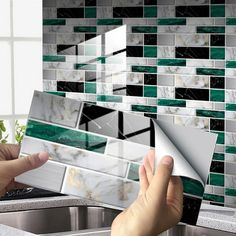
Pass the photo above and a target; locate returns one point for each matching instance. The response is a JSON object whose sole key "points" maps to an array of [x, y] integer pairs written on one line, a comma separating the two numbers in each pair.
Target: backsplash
{"points": [[171, 59]]}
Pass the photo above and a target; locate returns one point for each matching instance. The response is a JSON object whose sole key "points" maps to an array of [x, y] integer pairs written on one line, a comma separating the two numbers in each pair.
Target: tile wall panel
{"points": [[173, 59]]}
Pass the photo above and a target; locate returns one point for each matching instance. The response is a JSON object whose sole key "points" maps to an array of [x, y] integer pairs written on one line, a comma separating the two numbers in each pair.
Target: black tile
{"points": [[192, 52], [217, 166], [217, 82], [191, 207], [127, 12], [90, 36], [192, 94], [150, 79], [90, 2], [150, 2], [117, 124], [67, 49], [70, 86], [134, 51], [192, 11], [150, 39], [217, 1], [216, 124], [217, 40], [134, 90], [70, 13]]}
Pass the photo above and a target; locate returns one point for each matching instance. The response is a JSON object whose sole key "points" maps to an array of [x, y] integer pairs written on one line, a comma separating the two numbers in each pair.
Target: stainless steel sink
{"points": [[61, 219], [84, 221]]}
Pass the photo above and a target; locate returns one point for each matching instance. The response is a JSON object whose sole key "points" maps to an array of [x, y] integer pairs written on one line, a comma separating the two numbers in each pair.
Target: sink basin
{"points": [[44, 221], [84, 221]]}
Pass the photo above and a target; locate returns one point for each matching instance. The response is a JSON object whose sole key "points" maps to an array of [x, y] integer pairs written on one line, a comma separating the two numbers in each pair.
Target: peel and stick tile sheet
{"points": [[95, 152]]}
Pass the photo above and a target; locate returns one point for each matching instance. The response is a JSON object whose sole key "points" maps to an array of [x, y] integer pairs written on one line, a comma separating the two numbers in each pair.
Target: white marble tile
{"points": [[230, 96], [49, 85], [165, 92], [166, 11], [104, 12], [58, 29], [135, 78], [49, 13], [134, 39], [187, 40], [126, 150], [230, 139], [230, 53], [230, 10], [200, 63], [191, 2], [100, 187], [54, 109], [176, 111], [192, 81], [70, 75], [176, 29], [201, 123], [199, 21], [76, 157], [70, 38], [176, 70], [70, 3]]}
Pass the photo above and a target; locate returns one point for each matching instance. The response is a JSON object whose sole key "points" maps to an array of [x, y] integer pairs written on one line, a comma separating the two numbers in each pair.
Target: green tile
{"points": [[85, 29], [220, 137], [217, 95], [217, 179], [51, 58], [217, 53], [230, 21], [61, 94], [54, 22], [210, 113], [109, 22], [148, 69], [230, 149], [133, 172], [101, 59], [150, 51], [219, 156], [171, 62], [230, 107], [150, 11], [85, 66], [192, 186], [171, 21], [230, 64], [90, 12], [210, 71], [65, 136], [109, 98], [150, 91], [211, 29], [230, 192], [142, 108], [171, 103], [90, 88], [213, 198], [217, 10], [144, 29]]}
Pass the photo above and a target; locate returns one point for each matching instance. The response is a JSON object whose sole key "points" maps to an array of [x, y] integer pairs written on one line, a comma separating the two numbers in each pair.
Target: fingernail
{"points": [[167, 160], [43, 156]]}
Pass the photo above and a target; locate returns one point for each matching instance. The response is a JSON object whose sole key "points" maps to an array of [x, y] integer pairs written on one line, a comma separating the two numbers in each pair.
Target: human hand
{"points": [[11, 166], [159, 204]]}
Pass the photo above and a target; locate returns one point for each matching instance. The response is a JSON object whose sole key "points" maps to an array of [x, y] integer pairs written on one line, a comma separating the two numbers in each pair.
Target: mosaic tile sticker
{"points": [[97, 156]]}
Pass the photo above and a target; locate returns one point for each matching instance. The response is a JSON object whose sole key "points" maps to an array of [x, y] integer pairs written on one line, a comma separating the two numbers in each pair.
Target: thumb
{"points": [[23, 164], [160, 181]]}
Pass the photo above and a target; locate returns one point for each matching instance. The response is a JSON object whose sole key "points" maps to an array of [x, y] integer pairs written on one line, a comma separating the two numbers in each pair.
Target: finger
{"points": [[143, 181], [148, 168], [23, 164], [175, 194], [151, 159], [160, 181]]}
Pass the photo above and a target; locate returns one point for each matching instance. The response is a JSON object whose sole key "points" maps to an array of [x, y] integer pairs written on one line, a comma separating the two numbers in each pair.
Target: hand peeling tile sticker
{"points": [[97, 151]]}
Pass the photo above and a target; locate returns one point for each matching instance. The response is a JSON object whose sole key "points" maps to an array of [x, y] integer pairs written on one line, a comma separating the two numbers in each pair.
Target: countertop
{"points": [[215, 217]]}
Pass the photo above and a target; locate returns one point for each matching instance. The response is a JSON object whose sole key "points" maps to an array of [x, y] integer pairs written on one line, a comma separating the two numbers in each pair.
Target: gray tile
{"points": [[165, 40], [49, 38], [230, 168], [230, 83], [49, 176], [104, 2], [231, 40], [230, 126], [49, 74], [165, 2], [165, 80]]}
